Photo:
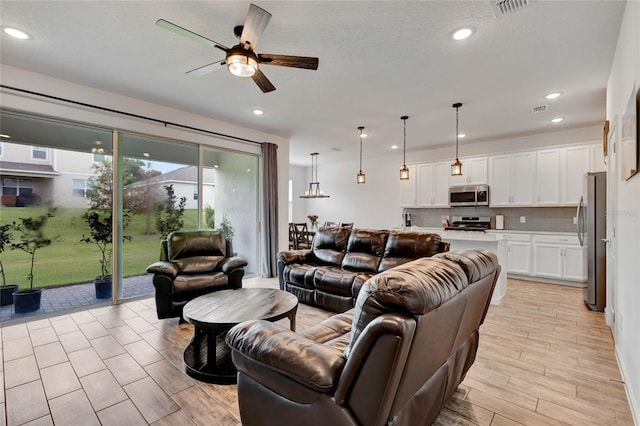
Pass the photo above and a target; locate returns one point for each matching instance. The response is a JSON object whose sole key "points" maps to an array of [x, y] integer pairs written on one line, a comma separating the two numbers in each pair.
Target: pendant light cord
{"points": [[457, 133], [404, 145]]}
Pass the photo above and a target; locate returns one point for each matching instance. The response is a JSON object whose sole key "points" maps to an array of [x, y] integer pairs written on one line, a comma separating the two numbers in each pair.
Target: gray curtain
{"points": [[270, 209]]}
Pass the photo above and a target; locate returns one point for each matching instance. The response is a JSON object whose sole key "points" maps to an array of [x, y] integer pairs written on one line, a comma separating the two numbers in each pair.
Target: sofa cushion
{"points": [[414, 288], [186, 287], [403, 246], [181, 244], [299, 274], [330, 244], [334, 280], [198, 264], [364, 250]]}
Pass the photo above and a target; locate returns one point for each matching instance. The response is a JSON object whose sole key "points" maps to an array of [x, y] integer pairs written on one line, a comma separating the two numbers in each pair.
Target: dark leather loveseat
{"points": [[395, 359], [331, 273], [193, 263]]}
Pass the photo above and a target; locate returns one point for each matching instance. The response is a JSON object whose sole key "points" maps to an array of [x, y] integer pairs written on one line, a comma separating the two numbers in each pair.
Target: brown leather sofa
{"points": [[193, 263], [331, 273], [396, 358]]}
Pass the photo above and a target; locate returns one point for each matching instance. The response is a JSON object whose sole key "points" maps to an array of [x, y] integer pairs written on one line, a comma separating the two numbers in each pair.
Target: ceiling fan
{"points": [[241, 59]]}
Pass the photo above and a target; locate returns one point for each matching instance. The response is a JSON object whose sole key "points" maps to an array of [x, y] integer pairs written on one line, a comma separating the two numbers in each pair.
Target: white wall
{"points": [[24, 79], [625, 73]]}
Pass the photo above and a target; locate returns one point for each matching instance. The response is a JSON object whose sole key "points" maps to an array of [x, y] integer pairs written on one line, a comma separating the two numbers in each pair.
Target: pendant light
{"points": [[360, 178], [456, 168], [314, 186], [404, 171]]}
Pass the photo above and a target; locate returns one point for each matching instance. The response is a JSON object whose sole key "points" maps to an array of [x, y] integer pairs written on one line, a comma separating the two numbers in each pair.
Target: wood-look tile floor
{"points": [[543, 359]]}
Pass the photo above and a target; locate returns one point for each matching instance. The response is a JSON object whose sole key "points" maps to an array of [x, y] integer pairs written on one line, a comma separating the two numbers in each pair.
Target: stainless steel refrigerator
{"points": [[592, 234]]}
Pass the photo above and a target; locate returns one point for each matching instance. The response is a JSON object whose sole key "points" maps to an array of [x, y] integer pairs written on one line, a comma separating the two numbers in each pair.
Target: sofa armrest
{"points": [[295, 256], [228, 264], [167, 269], [262, 345]]}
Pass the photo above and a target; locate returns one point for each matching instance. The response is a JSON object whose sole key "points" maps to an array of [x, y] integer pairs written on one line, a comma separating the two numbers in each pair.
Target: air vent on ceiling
{"points": [[540, 109], [506, 7]]}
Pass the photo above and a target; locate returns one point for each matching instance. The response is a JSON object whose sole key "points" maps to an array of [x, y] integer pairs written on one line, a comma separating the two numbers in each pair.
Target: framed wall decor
{"points": [[605, 138], [629, 136]]}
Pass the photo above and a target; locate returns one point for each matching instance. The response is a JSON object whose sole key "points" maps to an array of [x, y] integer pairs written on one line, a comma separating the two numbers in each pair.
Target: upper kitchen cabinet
{"points": [[408, 189], [598, 163], [548, 177], [474, 172], [433, 185], [511, 179], [575, 163]]}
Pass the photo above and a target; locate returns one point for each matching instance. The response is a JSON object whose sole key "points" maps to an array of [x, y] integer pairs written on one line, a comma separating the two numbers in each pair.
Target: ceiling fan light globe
{"points": [[241, 65]]}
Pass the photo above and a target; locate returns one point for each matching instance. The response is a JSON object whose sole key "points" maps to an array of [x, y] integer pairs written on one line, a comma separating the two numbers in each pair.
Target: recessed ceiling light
{"points": [[394, 146], [557, 119], [2, 135], [364, 135], [462, 135], [216, 166], [16, 33], [258, 111], [462, 33], [146, 154], [553, 95]]}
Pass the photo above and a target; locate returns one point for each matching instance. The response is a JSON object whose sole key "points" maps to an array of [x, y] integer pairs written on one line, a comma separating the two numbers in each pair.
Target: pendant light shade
{"points": [[404, 171], [456, 168], [360, 177], [314, 190]]}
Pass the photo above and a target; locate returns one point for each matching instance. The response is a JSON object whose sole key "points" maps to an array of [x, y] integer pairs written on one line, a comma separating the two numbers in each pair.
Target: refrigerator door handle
{"points": [[579, 215]]}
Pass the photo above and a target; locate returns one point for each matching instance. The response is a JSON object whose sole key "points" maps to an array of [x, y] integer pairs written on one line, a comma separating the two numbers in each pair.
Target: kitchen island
{"points": [[463, 240]]}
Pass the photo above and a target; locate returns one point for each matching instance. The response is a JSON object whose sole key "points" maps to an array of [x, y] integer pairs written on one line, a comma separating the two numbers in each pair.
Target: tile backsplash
{"points": [[550, 219]]}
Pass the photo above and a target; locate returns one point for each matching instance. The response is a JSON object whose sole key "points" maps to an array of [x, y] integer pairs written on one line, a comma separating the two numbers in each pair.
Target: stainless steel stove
{"points": [[469, 223]]}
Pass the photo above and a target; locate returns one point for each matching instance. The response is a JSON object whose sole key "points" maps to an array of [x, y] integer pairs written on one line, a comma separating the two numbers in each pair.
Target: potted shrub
{"points": [[228, 231], [30, 240], [6, 290], [102, 236]]}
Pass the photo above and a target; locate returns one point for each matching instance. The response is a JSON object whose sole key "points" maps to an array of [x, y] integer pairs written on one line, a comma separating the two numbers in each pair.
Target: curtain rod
{"points": [[129, 114]]}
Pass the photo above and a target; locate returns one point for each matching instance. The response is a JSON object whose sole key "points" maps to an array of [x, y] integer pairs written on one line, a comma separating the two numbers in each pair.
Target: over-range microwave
{"points": [[469, 195]]}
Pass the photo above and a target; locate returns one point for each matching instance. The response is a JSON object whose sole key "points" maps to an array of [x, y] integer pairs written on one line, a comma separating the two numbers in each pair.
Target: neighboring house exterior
{"points": [[33, 174], [185, 184]]}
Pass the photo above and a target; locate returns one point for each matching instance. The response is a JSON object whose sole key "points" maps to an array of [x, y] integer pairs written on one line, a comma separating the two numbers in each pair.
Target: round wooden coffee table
{"points": [[208, 358]]}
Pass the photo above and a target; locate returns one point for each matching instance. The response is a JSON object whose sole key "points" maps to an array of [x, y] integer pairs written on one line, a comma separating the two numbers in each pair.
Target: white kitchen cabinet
{"points": [[408, 189], [474, 172], [433, 185], [576, 161], [547, 177], [597, 163], [559, 257], [518, 254], [511, 179]]}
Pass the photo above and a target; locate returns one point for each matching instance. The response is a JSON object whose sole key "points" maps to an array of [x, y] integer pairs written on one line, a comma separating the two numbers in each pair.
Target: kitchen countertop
{"points": [[487, 232]]}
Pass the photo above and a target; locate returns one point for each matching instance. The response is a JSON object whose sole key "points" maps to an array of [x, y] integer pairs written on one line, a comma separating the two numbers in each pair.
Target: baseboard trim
{"points": [[547, 280], [635, 410]]}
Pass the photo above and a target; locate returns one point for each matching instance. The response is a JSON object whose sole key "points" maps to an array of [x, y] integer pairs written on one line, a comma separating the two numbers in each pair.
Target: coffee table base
{"points": [[217, 368]]}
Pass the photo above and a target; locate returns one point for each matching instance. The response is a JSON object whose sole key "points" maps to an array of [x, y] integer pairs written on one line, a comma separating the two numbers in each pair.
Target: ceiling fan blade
{"points": [[189, 34], [254, 25], [305, 62], [209, 68], [263, 82]]}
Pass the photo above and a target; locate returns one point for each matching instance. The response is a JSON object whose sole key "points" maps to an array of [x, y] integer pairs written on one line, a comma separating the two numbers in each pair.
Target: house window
{"points": [[98, 158], [39, 153], [81, 188], [17, 186], [1, 149]]}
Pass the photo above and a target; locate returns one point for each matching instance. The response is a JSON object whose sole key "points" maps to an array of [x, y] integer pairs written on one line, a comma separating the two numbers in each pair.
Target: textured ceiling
{"points": [[378, 61]]}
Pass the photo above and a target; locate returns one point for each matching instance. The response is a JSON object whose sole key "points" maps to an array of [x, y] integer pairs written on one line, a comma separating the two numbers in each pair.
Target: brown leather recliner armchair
{"points": [[193, 263], [396, 358]]}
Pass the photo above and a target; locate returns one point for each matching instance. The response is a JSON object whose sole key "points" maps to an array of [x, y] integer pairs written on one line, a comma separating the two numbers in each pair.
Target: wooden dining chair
{"points": [[301, 233], [292, 237]]}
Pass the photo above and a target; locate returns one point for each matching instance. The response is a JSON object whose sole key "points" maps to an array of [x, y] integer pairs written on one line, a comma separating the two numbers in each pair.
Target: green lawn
{"points": [[69, 260]]}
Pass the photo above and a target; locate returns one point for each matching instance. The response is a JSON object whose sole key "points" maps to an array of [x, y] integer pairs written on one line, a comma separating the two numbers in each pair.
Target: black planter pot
{"points": [[104, 287], [26, 300], [6, 294]]}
